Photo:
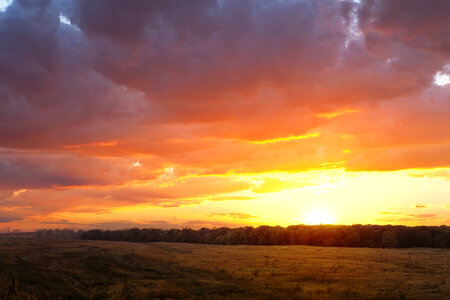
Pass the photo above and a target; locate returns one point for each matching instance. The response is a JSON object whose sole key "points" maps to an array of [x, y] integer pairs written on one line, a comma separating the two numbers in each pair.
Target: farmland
{"points": [[78, 269]]}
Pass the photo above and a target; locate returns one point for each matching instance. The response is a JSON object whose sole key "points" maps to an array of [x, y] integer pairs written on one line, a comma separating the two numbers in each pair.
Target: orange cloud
{"points": [[285, 139], [169, 104], [232, 215], [337, 113]]}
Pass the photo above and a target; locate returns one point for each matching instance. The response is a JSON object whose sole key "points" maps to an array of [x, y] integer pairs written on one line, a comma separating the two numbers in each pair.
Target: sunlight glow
{"points": [[64, 19], [4, 5], [18, 192], [441, 79], [136, 164], [319, 217], [289, 138], [337, 113]]}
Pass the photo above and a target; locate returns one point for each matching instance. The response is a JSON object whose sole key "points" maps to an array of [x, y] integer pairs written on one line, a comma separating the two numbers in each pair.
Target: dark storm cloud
{"points": [[7, 216], [19, 169], [30, 54], [123, 65], [423, 24], [193, 50], [49, 93]]}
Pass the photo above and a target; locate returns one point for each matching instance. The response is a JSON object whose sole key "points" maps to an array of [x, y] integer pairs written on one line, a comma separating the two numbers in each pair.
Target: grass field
{"points": [[75, 269]]}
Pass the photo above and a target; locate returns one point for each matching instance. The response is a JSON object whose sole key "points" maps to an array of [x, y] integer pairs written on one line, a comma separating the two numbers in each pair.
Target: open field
{"points": [[79, 269]]}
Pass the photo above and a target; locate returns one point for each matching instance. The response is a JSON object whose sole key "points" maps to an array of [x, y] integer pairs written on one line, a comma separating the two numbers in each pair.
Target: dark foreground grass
{"points": [[57, 269], [52, 270]]}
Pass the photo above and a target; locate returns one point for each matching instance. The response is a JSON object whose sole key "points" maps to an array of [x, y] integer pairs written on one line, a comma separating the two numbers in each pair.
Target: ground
{"points": [[79, 269]]}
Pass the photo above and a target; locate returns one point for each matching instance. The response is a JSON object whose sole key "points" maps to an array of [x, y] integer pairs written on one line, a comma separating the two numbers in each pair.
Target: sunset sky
{"points": [[119, 114]]}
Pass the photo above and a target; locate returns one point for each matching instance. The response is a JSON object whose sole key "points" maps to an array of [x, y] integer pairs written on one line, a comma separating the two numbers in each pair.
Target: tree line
{"points": [[58, 233], [375, 236]]}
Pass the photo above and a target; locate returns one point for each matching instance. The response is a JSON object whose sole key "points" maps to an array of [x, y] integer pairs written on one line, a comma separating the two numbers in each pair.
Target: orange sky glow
{"points": [[174, 114]]}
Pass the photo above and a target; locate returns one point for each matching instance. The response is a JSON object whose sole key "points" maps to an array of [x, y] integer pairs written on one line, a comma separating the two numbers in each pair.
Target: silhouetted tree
{"points": [[389, 239], [321, 235], [351, 240]]}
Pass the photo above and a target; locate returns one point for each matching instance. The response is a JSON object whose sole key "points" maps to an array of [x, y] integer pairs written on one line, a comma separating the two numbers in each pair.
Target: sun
{"points": [[319, 217]]}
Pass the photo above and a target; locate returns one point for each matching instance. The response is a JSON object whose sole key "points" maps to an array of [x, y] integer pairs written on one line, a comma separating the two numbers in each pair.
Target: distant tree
{"points": [[442, 240], [133, 235], [169, 235], [92, 235], [321, 235], [408, 237], [303, 236], [188, 235], [330, 242], [389, 239], [367, 236], [424, 239], [351, 240]]}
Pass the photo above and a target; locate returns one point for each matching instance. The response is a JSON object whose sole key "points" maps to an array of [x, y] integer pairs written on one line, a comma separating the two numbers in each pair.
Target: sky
{"points": [[119, 114]]}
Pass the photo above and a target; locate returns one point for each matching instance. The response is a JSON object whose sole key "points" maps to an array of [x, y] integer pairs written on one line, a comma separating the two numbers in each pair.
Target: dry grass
{"points": [[316, 272], [121, 270]]}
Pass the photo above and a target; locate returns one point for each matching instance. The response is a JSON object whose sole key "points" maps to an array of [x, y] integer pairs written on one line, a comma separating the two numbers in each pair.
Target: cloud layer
{"points": [[109, 104]]}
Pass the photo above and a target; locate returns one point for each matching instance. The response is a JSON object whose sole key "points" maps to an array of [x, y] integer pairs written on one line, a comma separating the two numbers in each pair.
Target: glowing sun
{"points": [[319, 217]]}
